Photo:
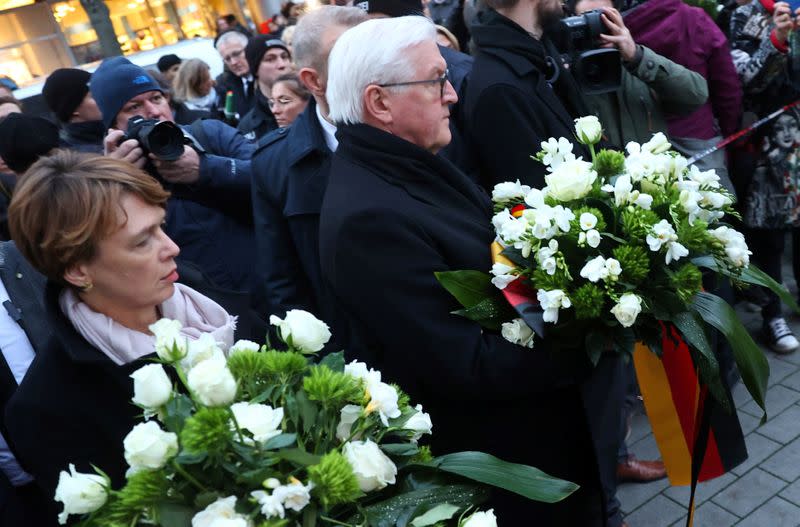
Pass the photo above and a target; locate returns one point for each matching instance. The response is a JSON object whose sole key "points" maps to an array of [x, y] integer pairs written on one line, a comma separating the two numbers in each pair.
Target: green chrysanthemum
{"points": [[334, 480], [634, 262], [542, 280], [693, 237], [609, 163], [208, 430], [142, 490], [687, 281], [331, 388], [248, 367], [636, 222], [275, 522], [403, 399], [588, 301], [424, 455]]}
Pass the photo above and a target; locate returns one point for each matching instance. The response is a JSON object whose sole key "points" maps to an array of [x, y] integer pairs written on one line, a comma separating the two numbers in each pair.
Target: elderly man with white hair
{"points": [[237, 77], [394, 213]]}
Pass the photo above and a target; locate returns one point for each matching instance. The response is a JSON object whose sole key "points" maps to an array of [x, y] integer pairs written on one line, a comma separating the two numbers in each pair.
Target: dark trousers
{"points": [[767, 247]]}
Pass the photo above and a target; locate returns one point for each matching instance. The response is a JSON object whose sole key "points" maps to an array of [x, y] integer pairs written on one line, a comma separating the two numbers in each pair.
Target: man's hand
{"points": [[129, 150], [782, 18], [620, 37], [185, 169]]}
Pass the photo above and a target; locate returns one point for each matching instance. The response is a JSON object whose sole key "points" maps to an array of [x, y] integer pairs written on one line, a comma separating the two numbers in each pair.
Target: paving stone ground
{"points": [[762, 492]]}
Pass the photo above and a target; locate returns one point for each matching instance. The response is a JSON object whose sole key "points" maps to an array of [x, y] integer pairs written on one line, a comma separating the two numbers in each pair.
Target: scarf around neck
{"points": [[198, 314]]}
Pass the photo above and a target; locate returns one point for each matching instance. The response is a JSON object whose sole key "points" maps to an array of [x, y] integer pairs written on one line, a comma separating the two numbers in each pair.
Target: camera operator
{"points": [[209, 213], [652, 85]]}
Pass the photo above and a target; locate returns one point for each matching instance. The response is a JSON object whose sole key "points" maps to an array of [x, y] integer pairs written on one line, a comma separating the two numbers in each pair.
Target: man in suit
{"points": [[237, 77], [395, 213]]}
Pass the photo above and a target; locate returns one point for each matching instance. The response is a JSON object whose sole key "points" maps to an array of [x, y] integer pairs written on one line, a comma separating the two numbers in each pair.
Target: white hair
{"points": [[373, 52], [231, 36], [307, 46]]}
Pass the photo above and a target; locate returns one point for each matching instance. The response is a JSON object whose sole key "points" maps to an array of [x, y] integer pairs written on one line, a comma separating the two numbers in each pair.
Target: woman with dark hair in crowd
{"points": [[288, 98], [93, 227]]}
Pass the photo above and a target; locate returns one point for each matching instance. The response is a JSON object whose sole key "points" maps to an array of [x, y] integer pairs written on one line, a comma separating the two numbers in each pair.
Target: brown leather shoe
{"points": [[640, 471]]}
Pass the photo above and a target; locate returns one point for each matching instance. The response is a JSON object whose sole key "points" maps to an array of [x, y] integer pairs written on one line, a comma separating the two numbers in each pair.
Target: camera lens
{"points": [[165, 141]]}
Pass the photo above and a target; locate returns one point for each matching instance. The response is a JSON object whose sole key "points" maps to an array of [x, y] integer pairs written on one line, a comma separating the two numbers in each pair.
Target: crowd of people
{"points": [[337, 163]]}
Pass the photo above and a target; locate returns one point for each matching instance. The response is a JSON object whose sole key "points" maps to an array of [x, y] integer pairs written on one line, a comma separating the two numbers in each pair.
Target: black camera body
{"points": [[163, 139], [597, 70]]}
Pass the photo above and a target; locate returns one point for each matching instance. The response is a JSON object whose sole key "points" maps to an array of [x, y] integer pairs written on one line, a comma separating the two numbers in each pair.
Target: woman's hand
{"points": [[620, 36], [782, 18]]}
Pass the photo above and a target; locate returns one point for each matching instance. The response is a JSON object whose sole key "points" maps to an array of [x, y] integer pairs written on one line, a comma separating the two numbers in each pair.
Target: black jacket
{"points": [[74, 405], [394, 214], [259, 121], [459, 66], [84, 137], [510, 105], [227, 81]]}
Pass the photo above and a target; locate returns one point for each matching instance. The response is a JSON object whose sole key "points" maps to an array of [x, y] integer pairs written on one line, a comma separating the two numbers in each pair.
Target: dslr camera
{"points": [[163, 139], [597, 70]]}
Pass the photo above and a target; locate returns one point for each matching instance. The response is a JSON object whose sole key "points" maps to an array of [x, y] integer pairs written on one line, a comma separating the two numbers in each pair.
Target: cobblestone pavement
{"points": [[762, 492]]}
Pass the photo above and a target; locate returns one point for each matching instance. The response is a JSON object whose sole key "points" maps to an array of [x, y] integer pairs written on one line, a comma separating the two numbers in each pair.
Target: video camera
{"points": [[597, 70], [164, 139]]}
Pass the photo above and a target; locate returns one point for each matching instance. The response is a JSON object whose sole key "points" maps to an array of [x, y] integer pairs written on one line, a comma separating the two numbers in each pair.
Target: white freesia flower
{"points": [[373, 469], [221, 513], [261, 420], [167, 333], [535, 198], [627, 309], [513, 230], [204, 348], [625, 194], [588, 130], [658, 144], [348, 415], [736, 249], [80, 493], [592, 238], [502, 275], [556, 151], [507, 191], [212, 382], [540, 221], [500, 219], [675, 251], [595, 269], [613, 268], [662, 233], [151, 386], [420, 423], [707, 178], [571, 180], [147, 446], [518, 332], [587, 221], [551, 302], [562, 217], [271, 505], [295, 495], [383, 399], [359, 370], [244, 345], [302, 330], [481, 519]]}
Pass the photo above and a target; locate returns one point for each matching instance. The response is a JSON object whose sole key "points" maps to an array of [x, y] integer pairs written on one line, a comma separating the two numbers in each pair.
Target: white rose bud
{"points": [[627, 309], [420, 423], [151, 386], [508, 190], [588, 130], [302, 330], [572, 180], [373, 469], [212, 383], [593, 238], [658, 144], [221, 513], [348, 415], [169, 340], [481, 519], [204, 348], [517, 332], [147, 446], [259, 419], [244, 345], [80, 493]]}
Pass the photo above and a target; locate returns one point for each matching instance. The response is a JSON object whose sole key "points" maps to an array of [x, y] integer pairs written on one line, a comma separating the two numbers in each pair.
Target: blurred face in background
{"points": [[232, 54], [274, 63], [785, 131], [9, 107], [285, 104]]}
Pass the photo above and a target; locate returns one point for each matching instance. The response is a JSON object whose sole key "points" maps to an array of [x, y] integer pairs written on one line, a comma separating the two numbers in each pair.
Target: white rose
{"points": [[593, 238], [508, 190], [302, 330], [294, 496], [271, 505], [261, 420], [168, 336], [588, 221], [373, 469], [147, 446], [221, 513], [658, 144], [212, 382], [80, 493], [571, 180], [420, 423], [348, 415], [517, 332], [383, 399], [244, 345], [588, 130], [627, 309], [481, 519], [151, 386], [204, 348]]}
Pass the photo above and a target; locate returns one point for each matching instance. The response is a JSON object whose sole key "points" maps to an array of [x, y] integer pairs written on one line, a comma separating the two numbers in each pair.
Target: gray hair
{"points": [[307, 38], [373, 52], [231, 36]]}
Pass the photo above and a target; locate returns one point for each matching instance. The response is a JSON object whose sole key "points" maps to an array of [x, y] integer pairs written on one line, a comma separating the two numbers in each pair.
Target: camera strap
{"points": [[197, 137], [552, 65]]}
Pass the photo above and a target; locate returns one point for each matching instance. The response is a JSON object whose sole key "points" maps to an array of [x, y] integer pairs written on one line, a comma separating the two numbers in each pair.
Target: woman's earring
{"points": [[87, 287]]}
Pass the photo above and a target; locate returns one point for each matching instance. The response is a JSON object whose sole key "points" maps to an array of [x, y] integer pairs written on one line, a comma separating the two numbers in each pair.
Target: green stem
{"points": [[191, 479], [336, 522], [591, 150], [236, 425]]}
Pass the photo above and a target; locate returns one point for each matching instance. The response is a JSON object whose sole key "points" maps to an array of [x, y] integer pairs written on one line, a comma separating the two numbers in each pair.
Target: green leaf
{"points": [[280, 441], [752, 275], [177, 410], [400, 449], [442, 512], [490, 312], [298, 456], [191, 458], [307, 409], [389, 512], [334, 361], [522, 479], [174, 515], [750, 360], [469, 287]]}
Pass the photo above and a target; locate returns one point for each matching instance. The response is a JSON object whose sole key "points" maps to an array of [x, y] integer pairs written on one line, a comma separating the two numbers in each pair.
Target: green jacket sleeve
{"points": [[677, 90]]}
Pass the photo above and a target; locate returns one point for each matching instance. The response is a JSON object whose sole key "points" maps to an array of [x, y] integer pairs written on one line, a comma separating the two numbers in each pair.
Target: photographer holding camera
{"points": [[205, 166]]}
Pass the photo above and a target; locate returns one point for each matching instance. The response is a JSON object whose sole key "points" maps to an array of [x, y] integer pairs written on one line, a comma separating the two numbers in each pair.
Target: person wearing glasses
{"points": [[395, 213], [288, 99], [268, 58], [237, 77]]}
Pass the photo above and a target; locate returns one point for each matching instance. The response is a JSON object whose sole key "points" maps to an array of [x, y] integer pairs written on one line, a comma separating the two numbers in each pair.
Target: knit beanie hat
{"points": [[24, 139], [116, 82], [167, 61], [258, 47], [391, 8], [64, 90]]}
